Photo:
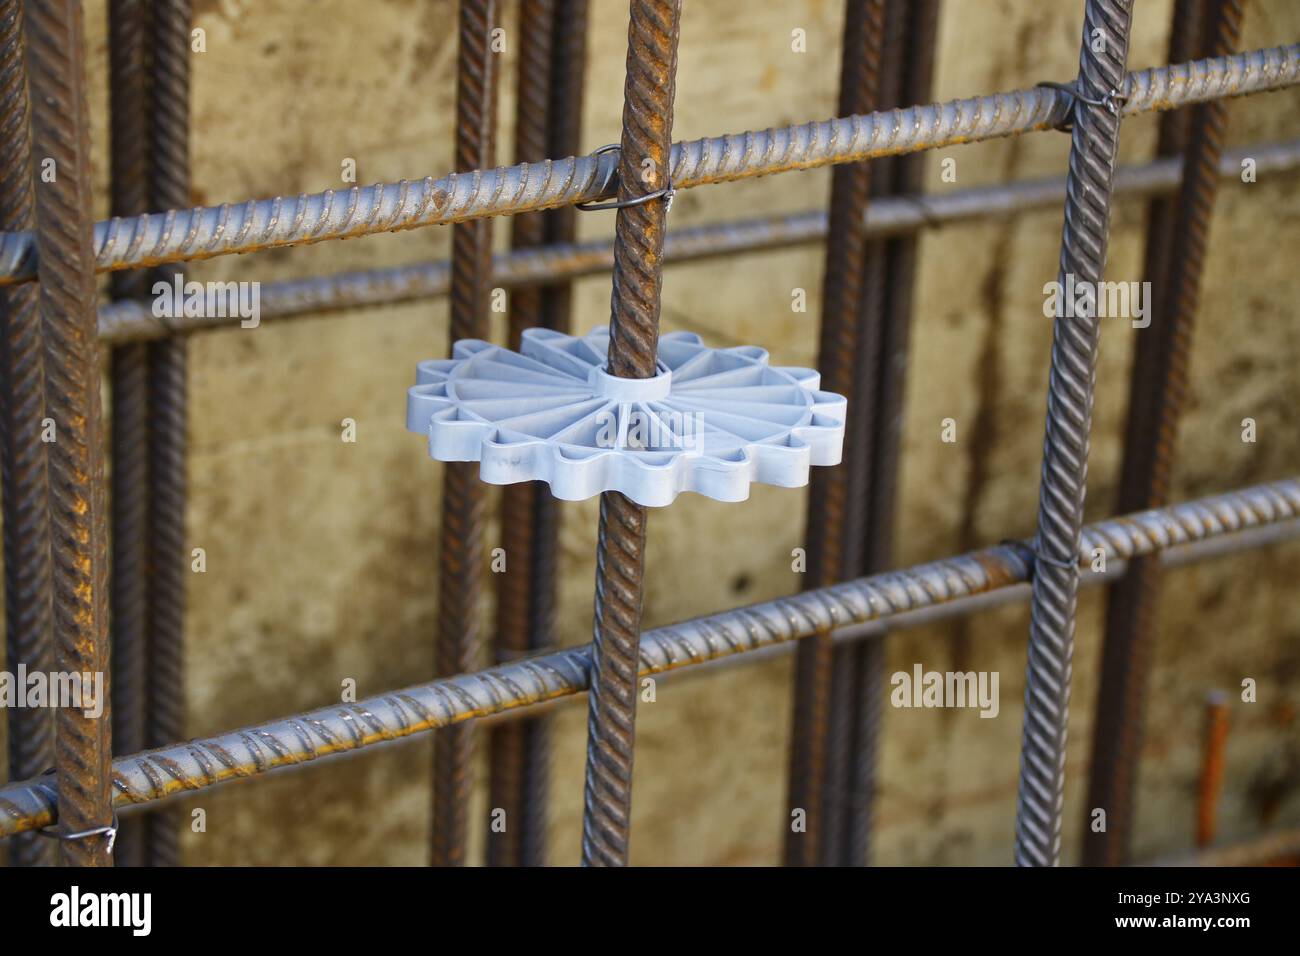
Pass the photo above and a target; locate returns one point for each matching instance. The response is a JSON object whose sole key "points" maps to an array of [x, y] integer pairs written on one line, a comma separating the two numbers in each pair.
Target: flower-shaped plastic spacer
{"points": [[711, 421]]}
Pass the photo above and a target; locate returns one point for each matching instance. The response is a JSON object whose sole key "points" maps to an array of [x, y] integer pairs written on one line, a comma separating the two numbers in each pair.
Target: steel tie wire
{"points": [[1094, 142], [29, 640], [60, 130], [458, 645], [649, 88]]}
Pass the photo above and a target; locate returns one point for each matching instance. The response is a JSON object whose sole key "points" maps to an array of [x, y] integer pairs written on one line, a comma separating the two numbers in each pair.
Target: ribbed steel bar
{"points": [[898, 265], [854, 709], [648, 93], [24, 483], [1176, 256], [167, 562], [460, 568], [129, 158], [891, 216], [515, 585], [290, 741], [551, 59], [1175, 557], [207, 231], [834, 525], [568, 81], [61, 132], [1178, 556], [849, 711], [1093, 146]]}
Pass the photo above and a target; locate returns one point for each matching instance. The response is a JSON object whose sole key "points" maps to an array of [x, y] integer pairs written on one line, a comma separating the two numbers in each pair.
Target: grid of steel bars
{"points": [[56, 542]]}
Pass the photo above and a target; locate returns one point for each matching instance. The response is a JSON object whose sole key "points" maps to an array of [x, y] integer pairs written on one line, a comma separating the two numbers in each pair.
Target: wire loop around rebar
{"points": [[1034, 554], [55, 833], [668, 192], [1112, 102]]}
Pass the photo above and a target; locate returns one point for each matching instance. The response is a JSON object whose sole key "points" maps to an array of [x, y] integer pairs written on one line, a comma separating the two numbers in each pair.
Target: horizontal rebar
{"points": [[1252, 539], [207, 231], [133, 320], [199, 764]]}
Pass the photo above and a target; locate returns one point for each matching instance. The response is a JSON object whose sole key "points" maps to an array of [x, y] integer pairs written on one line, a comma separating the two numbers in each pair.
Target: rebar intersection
{"points": [[65, 249]]}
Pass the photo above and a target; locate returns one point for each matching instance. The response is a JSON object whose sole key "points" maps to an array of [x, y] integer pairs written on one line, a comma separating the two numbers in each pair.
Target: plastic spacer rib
{"points": [[712, 421]]}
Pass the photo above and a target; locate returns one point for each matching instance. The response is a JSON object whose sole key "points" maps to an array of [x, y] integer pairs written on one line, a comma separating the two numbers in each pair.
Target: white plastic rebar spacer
{"points": [[712, 421]]}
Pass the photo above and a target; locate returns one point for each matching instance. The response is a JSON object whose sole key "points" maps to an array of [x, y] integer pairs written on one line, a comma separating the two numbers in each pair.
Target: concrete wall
{"points": [[322, 555]]}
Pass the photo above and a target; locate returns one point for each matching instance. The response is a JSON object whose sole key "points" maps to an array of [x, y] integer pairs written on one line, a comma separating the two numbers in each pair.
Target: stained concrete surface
{"points": [[321, 555]]}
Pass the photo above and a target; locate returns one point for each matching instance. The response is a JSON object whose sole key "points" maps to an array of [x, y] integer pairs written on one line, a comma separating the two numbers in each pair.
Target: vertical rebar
{"points": [[64, 221], [24, 482], [1212, 759], [515, 591], [649, 90], [1157, 394], [167, 560], [129, 196], [857, 668], [1106, 769], [915, 39], [551, 59], [568, 77], [1094, 142], [834, 528], [458, 648]]}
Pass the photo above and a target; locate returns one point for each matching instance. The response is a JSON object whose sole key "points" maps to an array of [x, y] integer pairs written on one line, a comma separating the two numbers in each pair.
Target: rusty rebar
{"points": [[458, 646], [340, 728], [167, 561], [1176, 256], [834, 524], [856, 667], [1093, 146], [567, 81], [128, 365], [551, 52], [898, 262], [24, 482], [1210, 783], [563, 259], [506, 745], [207, 231], [60, 132], [855, 712], [648, 92], [568, 69]]}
